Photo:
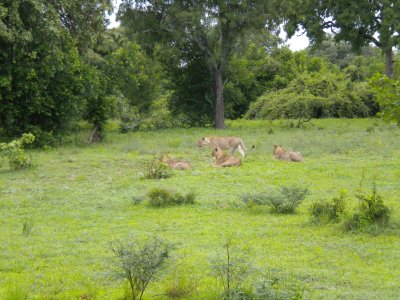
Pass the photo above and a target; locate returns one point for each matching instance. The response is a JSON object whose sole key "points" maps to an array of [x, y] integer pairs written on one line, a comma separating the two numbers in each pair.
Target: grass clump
{"points": [[329, 212], [284, 201], [155, 169], [372, 211], [159, 197], [27, 226]]}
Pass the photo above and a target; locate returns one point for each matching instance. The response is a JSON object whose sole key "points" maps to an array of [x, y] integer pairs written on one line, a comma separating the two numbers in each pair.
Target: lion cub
{"points": [[175, 164], [224, 160], [282, 154]]}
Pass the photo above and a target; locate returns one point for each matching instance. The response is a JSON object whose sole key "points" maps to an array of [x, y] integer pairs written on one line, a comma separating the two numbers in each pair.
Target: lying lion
{"points": [[175, 164], [224, 160], [282, 154], [232, 143]]}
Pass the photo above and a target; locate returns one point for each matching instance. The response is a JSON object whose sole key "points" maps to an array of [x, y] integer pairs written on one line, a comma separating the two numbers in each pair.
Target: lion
{"points": [[282, 154], [224, 160], [175, 164], [224, 142]]}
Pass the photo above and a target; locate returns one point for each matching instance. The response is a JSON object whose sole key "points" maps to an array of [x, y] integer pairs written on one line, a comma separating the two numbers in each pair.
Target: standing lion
{"points": [[224, 142]]}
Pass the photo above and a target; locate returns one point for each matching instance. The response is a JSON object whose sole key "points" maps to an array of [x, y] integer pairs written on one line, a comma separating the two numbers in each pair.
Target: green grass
{"points": [[79, 199]]}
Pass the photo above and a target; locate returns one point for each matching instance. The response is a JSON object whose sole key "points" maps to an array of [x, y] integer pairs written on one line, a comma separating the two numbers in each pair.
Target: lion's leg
{"points": [[241, 151], [231, 150]]}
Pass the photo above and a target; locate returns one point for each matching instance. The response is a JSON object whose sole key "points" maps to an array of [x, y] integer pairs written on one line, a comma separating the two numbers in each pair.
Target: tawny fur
{"points": [[224, 142], [282, 154], [224, 160], [175, 164]]}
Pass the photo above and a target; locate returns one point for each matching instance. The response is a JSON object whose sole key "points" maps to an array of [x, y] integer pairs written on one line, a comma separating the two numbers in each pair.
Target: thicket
{"points": [[315, 95]]}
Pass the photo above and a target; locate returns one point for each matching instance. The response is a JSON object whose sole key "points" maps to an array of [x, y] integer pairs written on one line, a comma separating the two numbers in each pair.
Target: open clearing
{"points": [[79, 199]]}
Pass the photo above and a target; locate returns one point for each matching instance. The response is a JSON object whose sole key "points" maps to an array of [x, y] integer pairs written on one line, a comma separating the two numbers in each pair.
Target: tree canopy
{"points": [[215, 27], [360, 22]]}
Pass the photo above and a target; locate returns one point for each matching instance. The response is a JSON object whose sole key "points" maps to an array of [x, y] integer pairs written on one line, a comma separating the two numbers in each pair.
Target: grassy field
{"points": [[80, 198]]}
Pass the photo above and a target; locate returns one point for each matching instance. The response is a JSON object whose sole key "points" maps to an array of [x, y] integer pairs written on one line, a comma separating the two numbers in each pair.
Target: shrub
{"points": [[231, 269], [161, 198], [14, 152], [139, 263], [324, 212], [371, 212], [287, 200], [284, 201], [155, 169]]}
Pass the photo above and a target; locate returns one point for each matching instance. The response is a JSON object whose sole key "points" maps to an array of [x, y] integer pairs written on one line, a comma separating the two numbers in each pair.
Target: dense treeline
{"points": [[60, 65]]}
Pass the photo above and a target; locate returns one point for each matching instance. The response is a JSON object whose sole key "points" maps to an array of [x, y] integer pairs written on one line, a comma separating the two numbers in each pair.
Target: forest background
{"points": [[185, 64]]}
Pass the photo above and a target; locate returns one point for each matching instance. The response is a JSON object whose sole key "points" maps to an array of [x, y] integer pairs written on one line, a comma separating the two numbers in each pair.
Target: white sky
{"points": [[296, 43]]}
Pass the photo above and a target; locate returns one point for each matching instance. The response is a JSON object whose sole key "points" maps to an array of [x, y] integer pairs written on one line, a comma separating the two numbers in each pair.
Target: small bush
{"points": [[325, 212], [371, 212], [231, 268], [284, 201], [14, 152], [161, 198], [139, 263], [155, 169], [287, 200]]}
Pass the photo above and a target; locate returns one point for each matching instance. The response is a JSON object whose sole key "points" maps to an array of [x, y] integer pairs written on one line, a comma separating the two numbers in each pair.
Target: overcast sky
{"points": [[297, 42]]}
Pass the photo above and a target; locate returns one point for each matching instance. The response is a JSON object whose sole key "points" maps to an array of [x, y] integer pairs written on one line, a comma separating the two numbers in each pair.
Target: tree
{"points": [[41, 74], [360, 22], [213, 26]]}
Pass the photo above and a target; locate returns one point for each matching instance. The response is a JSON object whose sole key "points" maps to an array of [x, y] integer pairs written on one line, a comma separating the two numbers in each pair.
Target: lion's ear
{"points": [[203, 138], [216, 149]]}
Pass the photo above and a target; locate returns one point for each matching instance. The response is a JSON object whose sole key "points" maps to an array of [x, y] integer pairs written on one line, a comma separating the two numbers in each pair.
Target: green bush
{"points": [[155, 169], [324, 212], [315, 95], [161, 198], [372, 211], [14, 152], [140, 262], [284, 201], [287, 200]]}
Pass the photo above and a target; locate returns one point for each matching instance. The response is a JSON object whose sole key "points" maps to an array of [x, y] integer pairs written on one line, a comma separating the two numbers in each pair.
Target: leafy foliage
{"points": [[15, 154], [314, 95], [388, 94]]}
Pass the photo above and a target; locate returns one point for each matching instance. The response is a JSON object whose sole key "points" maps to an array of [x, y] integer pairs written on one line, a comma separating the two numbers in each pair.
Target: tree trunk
{"points": [[218, 91], [389, 63]]}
